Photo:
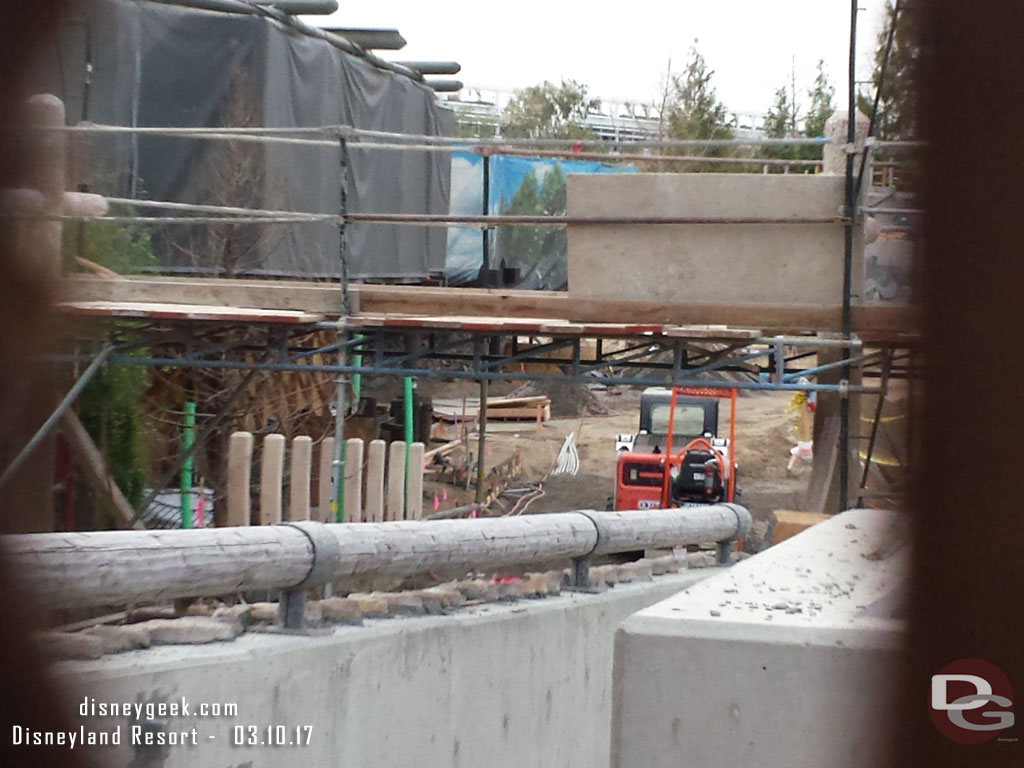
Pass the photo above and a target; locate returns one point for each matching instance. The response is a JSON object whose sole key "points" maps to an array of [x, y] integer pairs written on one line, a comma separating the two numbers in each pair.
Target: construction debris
{"points": [[498, 408], [568, 462]]}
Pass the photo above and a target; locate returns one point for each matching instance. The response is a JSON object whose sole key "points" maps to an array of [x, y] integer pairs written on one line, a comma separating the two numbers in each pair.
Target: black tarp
{"points": [[163, 65]]}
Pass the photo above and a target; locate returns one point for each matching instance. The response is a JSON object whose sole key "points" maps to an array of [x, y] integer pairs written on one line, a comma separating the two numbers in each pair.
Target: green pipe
{"points": [[188, 437], [407, 403], [407, 413], [357, 378]]}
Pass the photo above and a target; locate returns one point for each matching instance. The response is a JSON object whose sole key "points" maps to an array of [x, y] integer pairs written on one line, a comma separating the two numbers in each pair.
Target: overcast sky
{"points": [[623, 51]]}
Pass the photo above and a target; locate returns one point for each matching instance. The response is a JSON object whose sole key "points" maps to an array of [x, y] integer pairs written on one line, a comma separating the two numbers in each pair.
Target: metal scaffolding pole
{"points": [[69, 398], [851, 212], [341, 380]]}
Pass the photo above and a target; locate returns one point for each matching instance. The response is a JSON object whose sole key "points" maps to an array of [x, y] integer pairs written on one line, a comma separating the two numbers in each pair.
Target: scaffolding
{"points": [[351, 330]]}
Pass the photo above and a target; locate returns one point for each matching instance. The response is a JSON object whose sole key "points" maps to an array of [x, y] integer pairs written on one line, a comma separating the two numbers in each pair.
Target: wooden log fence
{"points": [[117, 567], [379, 483]]}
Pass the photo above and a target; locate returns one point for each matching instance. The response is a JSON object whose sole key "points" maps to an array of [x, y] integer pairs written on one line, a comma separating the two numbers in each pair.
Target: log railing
{"points": [[118, 567]]}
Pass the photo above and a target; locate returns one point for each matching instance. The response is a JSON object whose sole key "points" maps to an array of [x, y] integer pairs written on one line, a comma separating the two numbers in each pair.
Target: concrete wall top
{"points": [[705, 194], [847, 572]]}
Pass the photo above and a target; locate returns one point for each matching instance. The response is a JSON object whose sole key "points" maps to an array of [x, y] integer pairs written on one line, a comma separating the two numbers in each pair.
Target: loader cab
{"points": [[695, 416]]}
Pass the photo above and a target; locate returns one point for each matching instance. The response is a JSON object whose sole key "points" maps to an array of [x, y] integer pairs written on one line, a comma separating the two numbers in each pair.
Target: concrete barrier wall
{"points": [[787, 659], [516, 685]]}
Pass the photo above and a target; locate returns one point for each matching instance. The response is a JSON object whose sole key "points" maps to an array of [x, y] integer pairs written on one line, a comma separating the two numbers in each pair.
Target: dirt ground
{"points": [[764, 435]]}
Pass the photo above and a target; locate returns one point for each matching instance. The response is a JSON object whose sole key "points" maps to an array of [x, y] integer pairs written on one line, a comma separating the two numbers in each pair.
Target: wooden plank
{"points": [[164, 311], [448, 403], [395, 509], [414, 483], [518, 414], [441, 450], [398, 300], [325, 486], [354, 480], [95, 468], [503, 402], [271, 473], [786, 523], [239, 478], [375, 481], [299, 478], [218, 292], [826, 459]]}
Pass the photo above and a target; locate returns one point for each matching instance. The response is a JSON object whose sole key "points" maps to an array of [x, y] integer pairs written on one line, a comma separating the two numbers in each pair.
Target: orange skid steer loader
{"points": [[676, 459]]}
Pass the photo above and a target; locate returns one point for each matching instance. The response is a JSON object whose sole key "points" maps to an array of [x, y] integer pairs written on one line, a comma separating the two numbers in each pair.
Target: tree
{"points": [[549, 111], [780, 122], [821, 95], [895, 119], [694, 111]]}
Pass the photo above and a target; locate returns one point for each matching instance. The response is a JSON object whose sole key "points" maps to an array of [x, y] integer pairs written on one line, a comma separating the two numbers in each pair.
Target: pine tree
{"points": [[896, 106], [821, 95], [779, 122], [694, 111]]}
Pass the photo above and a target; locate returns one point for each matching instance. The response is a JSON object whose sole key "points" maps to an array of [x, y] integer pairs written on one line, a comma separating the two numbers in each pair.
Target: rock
{"points": [[241, 613], [431, 603], [120, 638], [313, 614], [638, 571], [509, 590], [191, 630], [370, 606], [701, 560], [534, 585], [659, 565], [737, 556], [474, 589], [493, 593], [604, 574], [70, 645], [147, 612], [402, 603], [554, 581], [448, 594], [199, 608], [662, 565], [263, 612], [341, 610]]}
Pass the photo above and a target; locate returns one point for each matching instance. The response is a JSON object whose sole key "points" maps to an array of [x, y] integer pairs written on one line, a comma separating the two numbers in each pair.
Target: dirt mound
{"points": [[568, 398]]}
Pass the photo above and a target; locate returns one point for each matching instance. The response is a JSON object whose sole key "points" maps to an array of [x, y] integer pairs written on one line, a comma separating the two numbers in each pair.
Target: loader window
{"points": [[689, 420]]}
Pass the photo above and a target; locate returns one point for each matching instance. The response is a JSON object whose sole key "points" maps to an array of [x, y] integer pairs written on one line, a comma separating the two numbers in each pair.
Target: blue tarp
{"points": [[541, 267]]}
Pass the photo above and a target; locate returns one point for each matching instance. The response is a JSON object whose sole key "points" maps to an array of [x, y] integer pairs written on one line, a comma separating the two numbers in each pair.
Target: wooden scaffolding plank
{"points": [[396, 301]]}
